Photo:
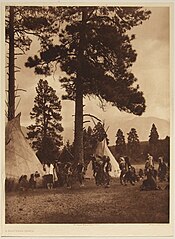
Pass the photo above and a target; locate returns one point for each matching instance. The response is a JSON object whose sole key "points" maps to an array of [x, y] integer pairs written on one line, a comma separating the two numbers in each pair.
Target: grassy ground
{"points": [[91, 204]]}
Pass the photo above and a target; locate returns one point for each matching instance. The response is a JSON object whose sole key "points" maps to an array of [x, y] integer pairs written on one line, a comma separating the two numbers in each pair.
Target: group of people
{"points": [[60, 174], [128, 172], [32, 183], [150, 183], [149, 175], [67, 173], [101, 167], [36, 180]]}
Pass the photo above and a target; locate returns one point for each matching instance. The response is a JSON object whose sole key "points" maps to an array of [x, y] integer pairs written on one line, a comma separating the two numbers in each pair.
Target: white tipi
{"points": [[20, 158], [89, 171], [103, 150]]}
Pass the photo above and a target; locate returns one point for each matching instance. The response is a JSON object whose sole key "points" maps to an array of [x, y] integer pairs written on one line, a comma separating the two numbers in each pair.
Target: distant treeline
{"points": [[162, 148]]}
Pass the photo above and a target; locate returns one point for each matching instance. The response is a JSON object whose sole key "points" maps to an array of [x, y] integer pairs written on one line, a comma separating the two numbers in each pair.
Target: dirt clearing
{"points": [[91, 204]]}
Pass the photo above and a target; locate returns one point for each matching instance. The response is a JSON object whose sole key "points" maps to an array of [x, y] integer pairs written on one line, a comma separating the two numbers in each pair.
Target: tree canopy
{"points": [[154, 136], [154, 141], [120, 146], [46, 132], [94, 45], [95, 50], [31, 20], [22, 22], [133, 146]]}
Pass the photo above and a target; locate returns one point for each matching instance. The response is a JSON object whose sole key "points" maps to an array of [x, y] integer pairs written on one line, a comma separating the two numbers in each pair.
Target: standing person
{"points": [[59, 170], [45, 177], [121, 162], [127, 163], [48, 168], [55, 178], [95, 169], [107, 169], [80, 172], [68, 174], [151, 161], [148, 164], [57, 174], [162, 169], [97, 165], [93, 165], [122, 166], [100, 173], [51, 173]]}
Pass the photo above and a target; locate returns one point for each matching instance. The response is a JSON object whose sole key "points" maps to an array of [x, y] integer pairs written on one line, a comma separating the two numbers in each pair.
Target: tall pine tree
{"points": [[46, 132], [120, 146], [99, 132], [22, 22], [133, 146], [95, 51], [154, 141]]}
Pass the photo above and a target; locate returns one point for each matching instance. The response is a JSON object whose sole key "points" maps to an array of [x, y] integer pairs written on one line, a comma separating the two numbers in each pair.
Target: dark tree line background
{"points": [[137, 150]]}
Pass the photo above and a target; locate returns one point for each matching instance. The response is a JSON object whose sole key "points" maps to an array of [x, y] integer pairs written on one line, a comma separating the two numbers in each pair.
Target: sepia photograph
{"points": [[87, 117]]}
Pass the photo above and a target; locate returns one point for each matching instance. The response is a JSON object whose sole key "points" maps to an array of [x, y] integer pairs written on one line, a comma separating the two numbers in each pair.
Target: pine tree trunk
{"points": [[79, 123], [11, 86], [78, 137]]}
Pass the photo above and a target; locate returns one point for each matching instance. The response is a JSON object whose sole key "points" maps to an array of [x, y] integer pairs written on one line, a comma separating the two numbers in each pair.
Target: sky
{"points": [[151, 69]]}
